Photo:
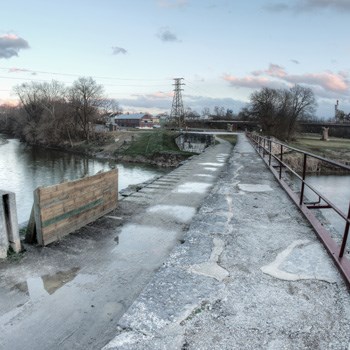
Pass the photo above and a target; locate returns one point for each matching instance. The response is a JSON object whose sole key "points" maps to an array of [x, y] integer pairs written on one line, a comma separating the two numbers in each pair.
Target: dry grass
{"points": [[336, 148]]}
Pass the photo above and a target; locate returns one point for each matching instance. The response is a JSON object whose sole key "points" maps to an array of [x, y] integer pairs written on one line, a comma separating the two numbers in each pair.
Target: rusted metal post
{"points": [[303, 181], [281, 160], [345, 236], [264, 148]]}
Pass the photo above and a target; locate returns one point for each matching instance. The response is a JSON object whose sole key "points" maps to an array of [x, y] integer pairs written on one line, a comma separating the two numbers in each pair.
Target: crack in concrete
{"points": [[211, 268], [306, 258]]}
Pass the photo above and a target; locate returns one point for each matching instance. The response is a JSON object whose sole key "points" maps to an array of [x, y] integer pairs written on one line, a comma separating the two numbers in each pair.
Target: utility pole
{"points": [[177, 108], [336, 111]]}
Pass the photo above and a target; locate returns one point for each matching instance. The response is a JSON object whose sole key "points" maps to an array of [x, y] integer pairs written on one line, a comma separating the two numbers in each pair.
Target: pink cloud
{"points": [[276, 71], [324, 83], [253, 82], [16, 70], [327, 80], [250, 82]]}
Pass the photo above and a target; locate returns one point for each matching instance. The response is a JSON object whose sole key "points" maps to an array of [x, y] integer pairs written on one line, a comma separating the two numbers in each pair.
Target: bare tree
{"points": [[219, 112], [85, 97], [264, 108], [302, 104], [279, 110], [43, 106]]}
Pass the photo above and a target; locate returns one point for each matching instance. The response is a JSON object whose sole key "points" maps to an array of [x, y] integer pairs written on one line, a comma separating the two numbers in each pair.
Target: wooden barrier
{"points": [[61, 209]]}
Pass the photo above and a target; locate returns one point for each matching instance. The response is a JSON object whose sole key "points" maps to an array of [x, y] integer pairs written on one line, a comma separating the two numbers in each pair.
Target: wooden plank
{"points": [[64, 208]]}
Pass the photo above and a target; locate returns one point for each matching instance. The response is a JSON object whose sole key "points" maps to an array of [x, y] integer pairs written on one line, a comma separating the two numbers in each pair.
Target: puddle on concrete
{"points": [[192, 187], [204, 175], [212, 164], [254, 188], [181, 213], [210, 168], [141, 245], [38, 287]]}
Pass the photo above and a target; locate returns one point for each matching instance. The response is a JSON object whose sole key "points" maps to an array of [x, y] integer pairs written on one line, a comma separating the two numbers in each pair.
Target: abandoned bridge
{"points": [[214, 255]]}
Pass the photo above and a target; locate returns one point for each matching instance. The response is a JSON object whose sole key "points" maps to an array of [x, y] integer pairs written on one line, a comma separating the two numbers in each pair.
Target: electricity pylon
{"points": [[177, 108]]}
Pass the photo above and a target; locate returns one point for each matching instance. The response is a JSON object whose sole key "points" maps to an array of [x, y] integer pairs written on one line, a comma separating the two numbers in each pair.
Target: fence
{"points": [[276, 154]]}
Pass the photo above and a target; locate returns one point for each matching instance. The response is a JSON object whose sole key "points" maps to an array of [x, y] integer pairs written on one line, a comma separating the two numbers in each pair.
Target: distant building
{"points": [[135, 120]]}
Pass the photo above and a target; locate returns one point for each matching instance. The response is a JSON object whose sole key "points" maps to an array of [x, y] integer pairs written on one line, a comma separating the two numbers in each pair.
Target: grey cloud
{"points": [[339, 5], [166, 35], [118, 50], [196, 103], [11, 44], [276, 7], [295, 61], [172, 3], [309, 5]]}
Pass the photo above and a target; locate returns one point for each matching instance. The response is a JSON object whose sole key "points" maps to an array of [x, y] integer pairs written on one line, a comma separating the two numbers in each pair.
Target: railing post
{"points": [[303, 181], [264, 148], [270, 148], [281, 159], [345, 236]]}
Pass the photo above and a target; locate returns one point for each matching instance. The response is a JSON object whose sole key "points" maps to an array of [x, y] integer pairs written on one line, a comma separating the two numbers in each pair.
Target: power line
{"points": [[13, 70]]}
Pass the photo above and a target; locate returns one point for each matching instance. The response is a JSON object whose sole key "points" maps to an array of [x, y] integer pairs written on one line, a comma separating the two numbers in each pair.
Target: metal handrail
{"points": [[263, 145]]}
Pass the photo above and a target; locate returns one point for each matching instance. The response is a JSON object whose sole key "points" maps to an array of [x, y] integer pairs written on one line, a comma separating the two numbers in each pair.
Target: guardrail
{"points": [[274, 154]]}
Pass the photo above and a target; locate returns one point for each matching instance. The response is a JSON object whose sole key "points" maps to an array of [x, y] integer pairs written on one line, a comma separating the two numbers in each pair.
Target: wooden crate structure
{"points": [[61, 209]]}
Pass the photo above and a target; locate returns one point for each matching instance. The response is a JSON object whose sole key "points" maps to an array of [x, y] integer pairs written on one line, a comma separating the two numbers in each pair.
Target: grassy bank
{"points": [[156, 147], [149, 143], [230, 138], [336, 148]]}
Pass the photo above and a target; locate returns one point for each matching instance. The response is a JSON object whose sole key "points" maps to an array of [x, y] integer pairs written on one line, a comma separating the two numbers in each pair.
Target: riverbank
{"points": [[337, 149], [153, 147]]}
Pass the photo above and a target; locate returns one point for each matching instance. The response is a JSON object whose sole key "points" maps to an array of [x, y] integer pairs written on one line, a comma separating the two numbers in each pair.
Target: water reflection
{"points": [[39, 287], [335, 188], [24, 168]]}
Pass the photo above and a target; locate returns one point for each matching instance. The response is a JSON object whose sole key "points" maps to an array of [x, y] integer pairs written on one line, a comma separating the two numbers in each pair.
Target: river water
{"points": [[23, 168], [335, 188]]}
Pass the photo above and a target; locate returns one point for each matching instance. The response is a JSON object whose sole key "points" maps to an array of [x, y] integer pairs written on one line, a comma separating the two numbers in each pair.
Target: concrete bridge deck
{"points": [[250, 274], [222, 259]]}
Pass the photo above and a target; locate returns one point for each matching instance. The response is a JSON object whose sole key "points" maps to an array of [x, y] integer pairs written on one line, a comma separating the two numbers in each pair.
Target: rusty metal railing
{"points": [[274, 152]]}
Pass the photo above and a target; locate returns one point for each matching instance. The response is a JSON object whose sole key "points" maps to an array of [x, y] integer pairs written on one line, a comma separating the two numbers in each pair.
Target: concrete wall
{"points": [[9, 232], [195, 143]]}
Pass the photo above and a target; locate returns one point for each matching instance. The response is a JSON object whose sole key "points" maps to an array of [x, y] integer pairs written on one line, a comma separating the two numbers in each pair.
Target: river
{"points": [[23, 168], [335, 188]]}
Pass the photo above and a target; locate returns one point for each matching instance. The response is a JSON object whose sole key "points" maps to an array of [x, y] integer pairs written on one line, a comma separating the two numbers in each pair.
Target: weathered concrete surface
{"points": [[9, 232], [71, 294], [250, 275]]}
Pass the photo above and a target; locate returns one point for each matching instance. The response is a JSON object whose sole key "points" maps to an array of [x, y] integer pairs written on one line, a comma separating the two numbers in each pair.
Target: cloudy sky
{"points": [[224, 49]]}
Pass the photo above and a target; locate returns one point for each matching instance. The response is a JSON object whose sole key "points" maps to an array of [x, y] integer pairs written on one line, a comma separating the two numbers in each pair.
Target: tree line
{"points": [[52, 113]]}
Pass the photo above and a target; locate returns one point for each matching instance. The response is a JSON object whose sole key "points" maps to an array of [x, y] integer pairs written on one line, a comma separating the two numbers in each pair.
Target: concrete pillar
{"points": [[9, 232]]}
